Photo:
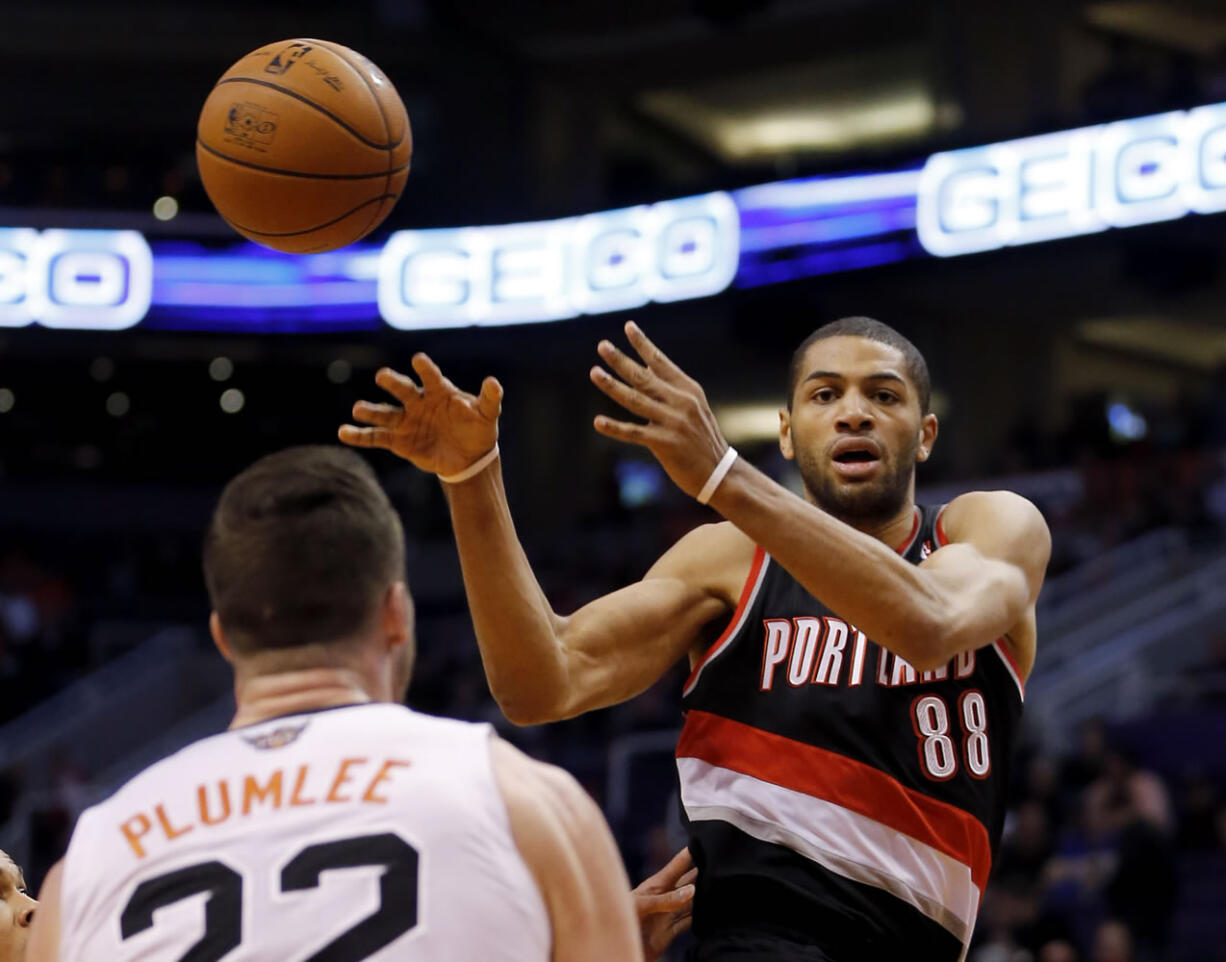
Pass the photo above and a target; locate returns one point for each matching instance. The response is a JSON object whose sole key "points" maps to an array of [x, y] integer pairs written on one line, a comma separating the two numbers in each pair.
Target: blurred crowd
{"points": [[1104, 860]]}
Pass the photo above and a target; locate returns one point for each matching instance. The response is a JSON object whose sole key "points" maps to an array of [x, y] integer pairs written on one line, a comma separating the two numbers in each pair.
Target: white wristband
{"points": [[473, 469], [721, 469]]}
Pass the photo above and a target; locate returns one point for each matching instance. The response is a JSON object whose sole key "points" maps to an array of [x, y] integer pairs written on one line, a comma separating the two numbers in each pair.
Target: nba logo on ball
{"points": [[284, 59], [303, 160]]}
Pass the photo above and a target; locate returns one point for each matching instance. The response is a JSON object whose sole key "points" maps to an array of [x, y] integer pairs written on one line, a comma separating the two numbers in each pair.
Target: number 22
{"points": [[397, 912]]}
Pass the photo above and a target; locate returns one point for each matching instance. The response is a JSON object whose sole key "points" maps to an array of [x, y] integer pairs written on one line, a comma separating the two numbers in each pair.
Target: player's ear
{"points": [[397, 614], [927, 437], [219, 637], [785, 434]]}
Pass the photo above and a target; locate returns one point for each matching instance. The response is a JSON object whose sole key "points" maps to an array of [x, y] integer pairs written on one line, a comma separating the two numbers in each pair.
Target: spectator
{"points": [[1057, 950], [1113, 943], [1086, 766], [1197, 829], [1025, 850], [1124, 794]]}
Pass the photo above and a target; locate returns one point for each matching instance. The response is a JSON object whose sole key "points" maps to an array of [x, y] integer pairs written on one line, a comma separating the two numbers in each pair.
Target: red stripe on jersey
{"points": [[734, 622], [939, 528], [915, 526], [844, 781], [1002, 649]]}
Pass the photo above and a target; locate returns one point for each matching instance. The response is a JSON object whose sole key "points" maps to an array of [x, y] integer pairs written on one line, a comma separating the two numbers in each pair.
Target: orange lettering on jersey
{"points": [[384, 773], [134, 829], [342, 778], [296, 800], [202, 797], [171, 832], [253, 791]]}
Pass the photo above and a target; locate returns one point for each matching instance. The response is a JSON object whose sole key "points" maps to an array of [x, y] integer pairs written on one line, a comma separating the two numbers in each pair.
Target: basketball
{"points": [[303, 146]]}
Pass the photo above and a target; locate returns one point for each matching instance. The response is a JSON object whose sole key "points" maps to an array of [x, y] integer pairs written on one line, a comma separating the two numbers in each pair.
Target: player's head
{"points": [[304, 563], [16, 911], [857, 418]]}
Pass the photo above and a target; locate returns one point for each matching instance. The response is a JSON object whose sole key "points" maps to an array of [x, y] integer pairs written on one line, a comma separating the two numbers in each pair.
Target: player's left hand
{"points": [[664, 903], [681, 430]]}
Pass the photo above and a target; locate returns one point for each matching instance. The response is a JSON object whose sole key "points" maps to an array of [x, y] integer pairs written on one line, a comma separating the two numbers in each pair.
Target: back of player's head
{"points": [[301, 548], [873, 330]]}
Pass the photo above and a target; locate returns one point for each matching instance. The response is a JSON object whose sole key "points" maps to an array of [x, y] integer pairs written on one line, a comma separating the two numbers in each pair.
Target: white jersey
{"points": [[368, 832]]}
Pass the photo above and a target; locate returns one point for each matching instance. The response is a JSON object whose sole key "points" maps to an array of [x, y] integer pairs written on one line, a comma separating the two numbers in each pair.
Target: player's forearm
{"points": [[848, 570], [516, 627]]}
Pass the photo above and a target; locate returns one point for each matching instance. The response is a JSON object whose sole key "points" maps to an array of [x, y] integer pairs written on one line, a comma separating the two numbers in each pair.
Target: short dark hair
{"points": [[300, 549], [873, 330]]}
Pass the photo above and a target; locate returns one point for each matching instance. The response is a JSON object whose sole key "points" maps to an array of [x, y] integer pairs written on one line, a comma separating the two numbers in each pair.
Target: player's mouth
{"points": [[855, 458]]}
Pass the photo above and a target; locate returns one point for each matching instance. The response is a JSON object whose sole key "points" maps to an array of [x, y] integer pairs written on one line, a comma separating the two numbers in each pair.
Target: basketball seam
{"points": [[323, 110], [309, 230], [299, 173], [387, 133]]}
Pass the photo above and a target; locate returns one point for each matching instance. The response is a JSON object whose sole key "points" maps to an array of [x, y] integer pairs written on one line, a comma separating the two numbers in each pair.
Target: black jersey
{"points": [[834, 794]]}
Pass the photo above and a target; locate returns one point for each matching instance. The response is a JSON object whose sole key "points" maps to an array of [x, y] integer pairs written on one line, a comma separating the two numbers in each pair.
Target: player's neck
{"points": [[894, 531], [263, 696]]}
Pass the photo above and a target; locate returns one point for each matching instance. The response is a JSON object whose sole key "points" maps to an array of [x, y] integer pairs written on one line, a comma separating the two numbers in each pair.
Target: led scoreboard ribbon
{"points": [[959, 202], [1074, 182]]}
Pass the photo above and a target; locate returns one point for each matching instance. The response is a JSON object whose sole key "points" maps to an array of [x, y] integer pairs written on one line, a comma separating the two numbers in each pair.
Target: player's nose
{"points": [[26, 916], [854, 414]]}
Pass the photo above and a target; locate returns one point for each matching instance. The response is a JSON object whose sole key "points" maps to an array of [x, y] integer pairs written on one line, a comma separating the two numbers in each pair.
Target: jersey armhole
{"points": [[753, 582]]}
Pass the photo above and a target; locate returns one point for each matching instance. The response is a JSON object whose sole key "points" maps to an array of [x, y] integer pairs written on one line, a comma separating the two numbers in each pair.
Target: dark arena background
{"points": [[1030, 192]]}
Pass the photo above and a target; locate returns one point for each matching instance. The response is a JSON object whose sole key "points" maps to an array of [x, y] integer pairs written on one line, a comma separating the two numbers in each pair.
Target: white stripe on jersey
{"points": [[840, 840], [369, 822]]}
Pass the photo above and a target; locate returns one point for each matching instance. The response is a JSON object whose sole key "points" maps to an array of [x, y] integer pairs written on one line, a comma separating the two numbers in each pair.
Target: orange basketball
{"points": [[304, 146]]}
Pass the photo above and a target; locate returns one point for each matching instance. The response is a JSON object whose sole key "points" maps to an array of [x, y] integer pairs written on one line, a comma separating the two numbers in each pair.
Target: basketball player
{"points": [[16, 911], [331, 823], [858, 659]]}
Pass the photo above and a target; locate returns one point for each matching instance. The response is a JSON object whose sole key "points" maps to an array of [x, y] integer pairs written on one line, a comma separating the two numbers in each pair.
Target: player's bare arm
{"points": [[571, 853], [981, 587], [542, 665], [44, 944]]}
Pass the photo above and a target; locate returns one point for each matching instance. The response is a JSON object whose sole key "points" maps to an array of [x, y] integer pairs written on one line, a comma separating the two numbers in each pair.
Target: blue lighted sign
{"points": [[1073, 182], [609, 261], [83, 279], [1018, 192]]}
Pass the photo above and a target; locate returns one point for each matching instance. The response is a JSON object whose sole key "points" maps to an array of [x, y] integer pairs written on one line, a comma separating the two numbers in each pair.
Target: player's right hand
{"points": [[436, 426], [665, 903]]}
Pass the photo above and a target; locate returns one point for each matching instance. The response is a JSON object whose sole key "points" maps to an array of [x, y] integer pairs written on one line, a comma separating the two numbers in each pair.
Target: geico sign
{"points": [[85, 279], [1074, 182], [548, 270]]}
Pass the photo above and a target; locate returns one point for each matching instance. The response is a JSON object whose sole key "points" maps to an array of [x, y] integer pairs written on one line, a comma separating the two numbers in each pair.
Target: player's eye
{"points": [[824, 394], [886, 397]]}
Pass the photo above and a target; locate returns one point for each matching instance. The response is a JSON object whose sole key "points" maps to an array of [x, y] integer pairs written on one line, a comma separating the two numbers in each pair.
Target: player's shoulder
{"points": [[1002, 524], [715, 557], [542, 799], [1001, 510]]}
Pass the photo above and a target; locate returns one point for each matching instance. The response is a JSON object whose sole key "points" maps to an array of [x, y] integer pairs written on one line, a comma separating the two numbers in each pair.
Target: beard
{"points": [[861, 503]]}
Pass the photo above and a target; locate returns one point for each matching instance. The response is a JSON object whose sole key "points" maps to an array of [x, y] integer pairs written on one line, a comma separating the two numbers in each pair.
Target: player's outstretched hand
{"points": [[436, 426], [681, 431], [664, 903]]}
